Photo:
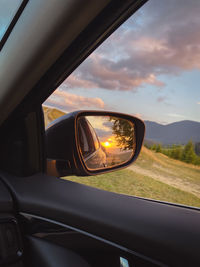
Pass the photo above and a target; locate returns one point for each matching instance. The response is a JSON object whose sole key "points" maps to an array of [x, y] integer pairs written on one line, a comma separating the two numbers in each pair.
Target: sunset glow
{"points": [[106, 144]]}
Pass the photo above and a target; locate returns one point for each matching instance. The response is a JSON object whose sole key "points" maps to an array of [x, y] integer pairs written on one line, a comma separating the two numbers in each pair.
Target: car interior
{"points": [[48, 221]]}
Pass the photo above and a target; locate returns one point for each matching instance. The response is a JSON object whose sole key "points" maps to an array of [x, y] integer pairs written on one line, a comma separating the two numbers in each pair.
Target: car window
{"points": [[149, 68]]}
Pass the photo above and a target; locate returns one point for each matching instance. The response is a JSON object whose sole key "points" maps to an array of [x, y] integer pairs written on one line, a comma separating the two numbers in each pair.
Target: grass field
{"points": [[154, 176]]}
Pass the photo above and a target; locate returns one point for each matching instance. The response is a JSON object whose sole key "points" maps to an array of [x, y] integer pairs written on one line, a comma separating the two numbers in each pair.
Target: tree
{"points": [[176, 152], [197, 148], [124, 132], [197, 160], [153, 147], [166, 152], [188, 154], [158, 148]]}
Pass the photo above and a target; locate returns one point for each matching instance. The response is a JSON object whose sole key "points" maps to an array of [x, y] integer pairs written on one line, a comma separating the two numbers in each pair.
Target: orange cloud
{"points": [[70, 102], [75, 81]]}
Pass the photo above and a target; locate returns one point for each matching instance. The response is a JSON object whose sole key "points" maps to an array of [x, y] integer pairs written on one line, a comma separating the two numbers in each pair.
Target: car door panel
{"points": [[11, 246], [46, 254], [155, 230], [6, 202]]}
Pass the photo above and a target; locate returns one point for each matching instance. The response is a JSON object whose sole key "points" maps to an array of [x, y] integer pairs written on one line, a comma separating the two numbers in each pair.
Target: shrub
{"points": [[184, 153], [188, 154]]}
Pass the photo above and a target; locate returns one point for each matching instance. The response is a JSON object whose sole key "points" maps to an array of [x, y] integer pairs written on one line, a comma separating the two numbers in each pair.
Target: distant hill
{"points": [[174, 133], [50, 114]]}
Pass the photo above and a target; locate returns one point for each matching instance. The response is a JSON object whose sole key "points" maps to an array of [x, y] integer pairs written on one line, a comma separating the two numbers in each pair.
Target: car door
{"points": [[59, 222]]}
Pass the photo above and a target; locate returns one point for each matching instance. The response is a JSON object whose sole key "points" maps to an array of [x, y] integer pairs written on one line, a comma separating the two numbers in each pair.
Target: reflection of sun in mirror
{"points": [[113, 135], [106, 144]]}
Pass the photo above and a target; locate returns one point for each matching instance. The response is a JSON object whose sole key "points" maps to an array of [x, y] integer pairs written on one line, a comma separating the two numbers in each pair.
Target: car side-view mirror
{"points": [[86, 143]]}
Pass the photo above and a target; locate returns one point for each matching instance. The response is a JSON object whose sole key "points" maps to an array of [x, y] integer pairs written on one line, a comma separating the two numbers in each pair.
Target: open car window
{"points": [[148, 68]]}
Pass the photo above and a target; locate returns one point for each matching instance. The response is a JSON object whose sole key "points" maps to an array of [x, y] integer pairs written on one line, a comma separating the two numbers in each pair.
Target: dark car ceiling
{"points": [[44, 30]]}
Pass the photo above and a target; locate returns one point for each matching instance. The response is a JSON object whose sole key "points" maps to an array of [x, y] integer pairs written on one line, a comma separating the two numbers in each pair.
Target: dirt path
{"points": [[168, 179]]}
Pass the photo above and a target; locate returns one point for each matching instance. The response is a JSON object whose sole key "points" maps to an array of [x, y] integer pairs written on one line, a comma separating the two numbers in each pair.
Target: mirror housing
{"points": [[63, 149]]}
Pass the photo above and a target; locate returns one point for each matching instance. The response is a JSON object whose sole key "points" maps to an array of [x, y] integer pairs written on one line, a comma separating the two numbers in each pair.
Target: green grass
{"points": [[154, 176], [128, 182], [164, 165], [173, 172]]}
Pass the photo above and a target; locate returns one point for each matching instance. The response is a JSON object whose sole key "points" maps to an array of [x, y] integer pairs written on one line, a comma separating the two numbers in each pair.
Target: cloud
{"points": [[102, 133], [108, 124], [75, 81], [161, 99], [198, 103], [161, 38], [175, 115], [99, 72], [69, 102]]}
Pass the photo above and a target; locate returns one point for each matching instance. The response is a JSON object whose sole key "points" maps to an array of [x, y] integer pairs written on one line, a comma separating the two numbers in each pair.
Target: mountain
{"points": [[174, 133]]}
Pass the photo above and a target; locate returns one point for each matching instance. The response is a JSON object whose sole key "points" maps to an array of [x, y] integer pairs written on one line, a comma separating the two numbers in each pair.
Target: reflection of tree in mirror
{"points": [[124, 133]]}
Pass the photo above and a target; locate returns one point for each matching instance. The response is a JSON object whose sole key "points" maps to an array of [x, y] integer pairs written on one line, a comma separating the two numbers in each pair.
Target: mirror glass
{"points": [[105, 141]]}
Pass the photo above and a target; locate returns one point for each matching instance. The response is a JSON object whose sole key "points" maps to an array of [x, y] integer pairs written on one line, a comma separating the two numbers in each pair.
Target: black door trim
{"points": [[30, 217]]}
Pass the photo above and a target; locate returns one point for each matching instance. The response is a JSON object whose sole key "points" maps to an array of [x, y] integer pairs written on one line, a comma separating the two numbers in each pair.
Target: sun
{"points": [[106, 144]]}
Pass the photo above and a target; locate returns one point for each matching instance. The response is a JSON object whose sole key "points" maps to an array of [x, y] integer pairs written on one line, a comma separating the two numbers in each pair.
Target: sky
{"points": [[8, 9], [149, 67]]}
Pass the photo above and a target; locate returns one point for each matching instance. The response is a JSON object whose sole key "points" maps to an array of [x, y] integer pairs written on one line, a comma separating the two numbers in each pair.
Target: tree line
{"points": [[188, 153]]}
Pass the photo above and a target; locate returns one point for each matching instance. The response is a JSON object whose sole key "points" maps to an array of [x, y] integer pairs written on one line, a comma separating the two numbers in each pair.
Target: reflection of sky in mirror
{"points": [[8, 9], [104, 130], [102, 125]]}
